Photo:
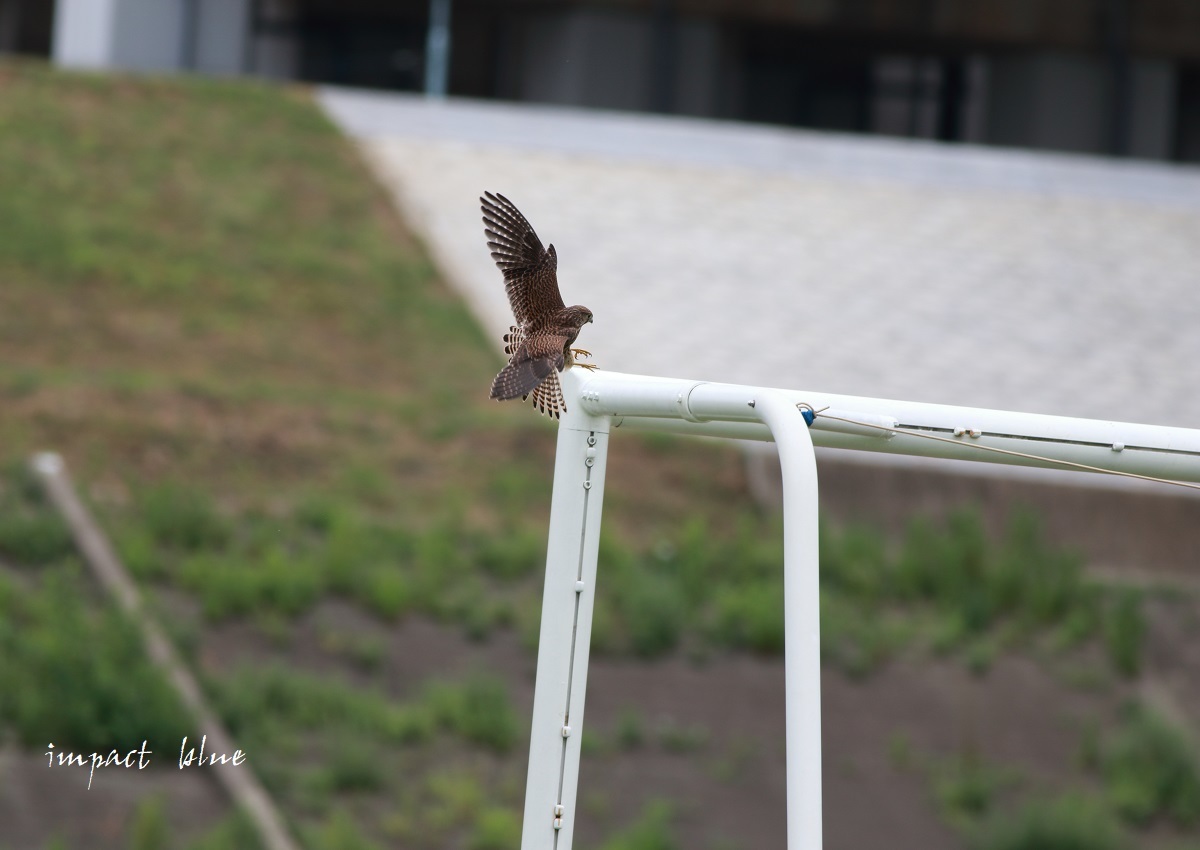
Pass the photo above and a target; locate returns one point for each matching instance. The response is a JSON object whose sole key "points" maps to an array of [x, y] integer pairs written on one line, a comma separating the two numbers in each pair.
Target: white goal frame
{"points": [[601, 401]]}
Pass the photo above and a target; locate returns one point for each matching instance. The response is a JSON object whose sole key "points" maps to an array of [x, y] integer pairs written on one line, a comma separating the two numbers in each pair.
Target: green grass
{"points": [[151, 829], [651, 831], [495, 829], [455, 806], [234, 832], [73, 671], [966, 787], [264, 703], [1150, 766], [182, 518], [1070, 822], [949, 587], [31, 534]]}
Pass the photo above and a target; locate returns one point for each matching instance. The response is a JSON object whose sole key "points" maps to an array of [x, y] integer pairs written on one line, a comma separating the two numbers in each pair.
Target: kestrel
{"points": [[539, 344]]}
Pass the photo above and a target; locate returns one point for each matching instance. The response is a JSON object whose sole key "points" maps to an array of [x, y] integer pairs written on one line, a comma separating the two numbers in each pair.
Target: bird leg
{"points": [[573, 355]]}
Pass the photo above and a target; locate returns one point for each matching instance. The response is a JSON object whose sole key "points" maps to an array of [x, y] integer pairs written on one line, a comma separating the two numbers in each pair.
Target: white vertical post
{"points": [[802, 617], [567, 604]]}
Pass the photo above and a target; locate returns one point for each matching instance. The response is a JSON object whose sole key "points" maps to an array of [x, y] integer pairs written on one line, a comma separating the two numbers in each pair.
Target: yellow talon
{"points": [[581, 352], [591, 367]]}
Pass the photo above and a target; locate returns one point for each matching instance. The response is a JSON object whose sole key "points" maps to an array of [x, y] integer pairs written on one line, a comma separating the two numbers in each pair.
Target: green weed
{"points": [[352, 767], [1151, 768], [514, 555], [495, 829], [650, 832], [341, 832], [33, 539], [652, 611], [629, 733], [151, 830], [94, 682], [236, 832], [31, 532], [258, 702], [1124, 631], [140, 555], [387, 592], [966, 787], [183, 518], [478, 710], [750, 616], [229, 586], [1070, 822]]}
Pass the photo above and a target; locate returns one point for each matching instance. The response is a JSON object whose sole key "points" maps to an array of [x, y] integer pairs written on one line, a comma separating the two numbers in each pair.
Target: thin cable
{"points": [[984, 448]]}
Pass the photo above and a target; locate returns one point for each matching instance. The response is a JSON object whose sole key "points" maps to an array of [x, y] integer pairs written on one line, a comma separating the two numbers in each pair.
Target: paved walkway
{"points": [[859, 265]]}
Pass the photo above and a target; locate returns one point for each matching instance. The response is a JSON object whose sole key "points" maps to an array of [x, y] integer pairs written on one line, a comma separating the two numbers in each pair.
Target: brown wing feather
{"points": [[530, 270], [513, 340]]}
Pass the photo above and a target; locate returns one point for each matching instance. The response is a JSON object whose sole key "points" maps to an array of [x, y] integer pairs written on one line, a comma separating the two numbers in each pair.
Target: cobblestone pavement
{"points": [[778, 257]]}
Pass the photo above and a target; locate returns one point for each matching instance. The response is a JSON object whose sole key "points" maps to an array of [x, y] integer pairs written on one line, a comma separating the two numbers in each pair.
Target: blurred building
{"points": [[1117, 77]]}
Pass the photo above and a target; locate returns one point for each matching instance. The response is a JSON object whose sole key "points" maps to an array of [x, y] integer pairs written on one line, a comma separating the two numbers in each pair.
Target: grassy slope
{"points": [[201, 282], [205, 301], [211, 310]]}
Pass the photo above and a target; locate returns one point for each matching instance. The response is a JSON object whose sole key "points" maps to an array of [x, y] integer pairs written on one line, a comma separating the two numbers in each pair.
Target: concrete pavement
{"points": [[860, 265]]}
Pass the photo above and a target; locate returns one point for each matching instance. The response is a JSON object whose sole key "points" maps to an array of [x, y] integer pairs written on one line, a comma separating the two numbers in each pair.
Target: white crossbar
{"points": [[599, 402], [723, 410]]}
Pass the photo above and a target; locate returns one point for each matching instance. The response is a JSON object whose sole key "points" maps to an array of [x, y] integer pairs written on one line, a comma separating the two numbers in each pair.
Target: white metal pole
{"points": [[695, 401], [712, 409], [802, 617], [568, 600]]}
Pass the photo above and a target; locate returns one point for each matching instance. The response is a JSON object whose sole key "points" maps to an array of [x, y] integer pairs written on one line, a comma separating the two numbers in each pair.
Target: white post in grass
{"points": [[597, 401], [565, 638]]}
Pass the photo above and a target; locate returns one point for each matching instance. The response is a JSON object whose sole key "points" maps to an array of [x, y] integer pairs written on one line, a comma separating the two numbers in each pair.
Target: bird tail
{"points": [[548, 397], [521, 379]]}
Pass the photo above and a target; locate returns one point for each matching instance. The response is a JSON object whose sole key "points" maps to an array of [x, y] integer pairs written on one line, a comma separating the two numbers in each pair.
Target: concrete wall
{"points": [[275, 55], [606, 59], [156, 35], [222, 30], [148, 35], [586, 57], [83, 33], [1153, 93], [698, 67], [9, 21], [1065, 102], [1054, 101]]}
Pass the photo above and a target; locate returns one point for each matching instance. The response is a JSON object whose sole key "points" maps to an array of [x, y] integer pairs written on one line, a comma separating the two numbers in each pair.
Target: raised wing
{"points": [[530, 270]]}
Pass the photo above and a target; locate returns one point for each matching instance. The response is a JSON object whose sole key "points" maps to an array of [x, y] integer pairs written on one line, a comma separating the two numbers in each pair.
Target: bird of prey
{"points": [[539, 344]]}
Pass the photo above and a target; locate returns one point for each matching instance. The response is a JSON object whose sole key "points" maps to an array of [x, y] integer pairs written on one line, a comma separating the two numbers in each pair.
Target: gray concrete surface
{"points": [[861, 265]]}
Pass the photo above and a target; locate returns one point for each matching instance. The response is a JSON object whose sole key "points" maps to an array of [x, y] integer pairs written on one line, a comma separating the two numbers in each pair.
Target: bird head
{"points": [[579, 315]]}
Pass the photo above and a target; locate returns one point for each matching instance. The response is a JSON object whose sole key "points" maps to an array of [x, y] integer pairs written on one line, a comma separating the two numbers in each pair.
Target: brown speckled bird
{"points": [[539, 344]]}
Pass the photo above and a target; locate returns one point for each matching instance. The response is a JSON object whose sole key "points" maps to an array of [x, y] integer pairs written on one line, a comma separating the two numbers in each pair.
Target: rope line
{"points": [[980, 447]]}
